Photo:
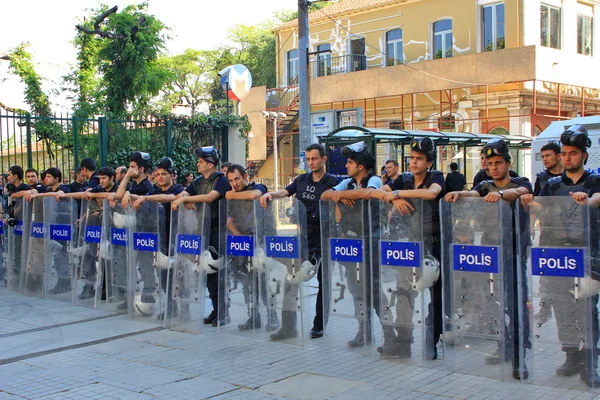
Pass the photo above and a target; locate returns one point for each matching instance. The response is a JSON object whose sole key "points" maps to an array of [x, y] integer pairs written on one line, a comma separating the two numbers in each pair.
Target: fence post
{"points": [[76, 142], [225, 143], [169, 137], [103, 138], [29, 150]]}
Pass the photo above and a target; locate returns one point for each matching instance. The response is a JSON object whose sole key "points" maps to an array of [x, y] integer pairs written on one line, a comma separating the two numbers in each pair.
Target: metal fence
{"points": [[62, 141]]}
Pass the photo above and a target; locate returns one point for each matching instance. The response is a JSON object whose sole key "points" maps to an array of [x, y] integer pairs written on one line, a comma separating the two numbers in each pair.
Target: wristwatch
{"points": [[501, 193], [396, 193]]}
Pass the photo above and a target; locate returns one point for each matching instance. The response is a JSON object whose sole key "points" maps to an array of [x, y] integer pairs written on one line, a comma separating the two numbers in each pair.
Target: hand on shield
{"points": [[265, 199], [403, 206], [452, 197], [492, 197], [579, 197], [126, 200], [527, 201]]}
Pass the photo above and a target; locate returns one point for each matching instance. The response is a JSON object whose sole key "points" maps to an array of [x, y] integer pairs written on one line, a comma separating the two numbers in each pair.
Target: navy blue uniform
{"points": [[94, 180]]}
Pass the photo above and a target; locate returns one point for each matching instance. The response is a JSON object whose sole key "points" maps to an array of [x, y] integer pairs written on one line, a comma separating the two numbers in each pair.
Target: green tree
{"points": [[131, 43], [190, 77]]}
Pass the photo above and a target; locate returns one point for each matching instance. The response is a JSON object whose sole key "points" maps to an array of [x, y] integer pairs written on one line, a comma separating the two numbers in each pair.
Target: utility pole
{"points": [[303, 92]]}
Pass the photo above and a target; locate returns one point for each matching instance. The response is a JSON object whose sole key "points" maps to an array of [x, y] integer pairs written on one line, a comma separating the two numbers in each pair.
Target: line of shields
{"points": [[266, 280], [520, 290]]}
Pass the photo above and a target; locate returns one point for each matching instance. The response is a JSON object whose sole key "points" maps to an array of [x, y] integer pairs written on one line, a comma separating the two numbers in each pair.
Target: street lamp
{"points": [[274, 116]]}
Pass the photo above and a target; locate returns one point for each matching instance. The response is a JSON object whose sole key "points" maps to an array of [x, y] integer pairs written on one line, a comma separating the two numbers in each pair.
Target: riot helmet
{"points": [[209, 154], [360, 154], [496, 147], [576, 136], [424, 146], [167, 164], [141, 159]]}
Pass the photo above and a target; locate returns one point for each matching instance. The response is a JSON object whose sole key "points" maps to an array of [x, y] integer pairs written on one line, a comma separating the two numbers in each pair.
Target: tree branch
{"points": [[97, 30]]}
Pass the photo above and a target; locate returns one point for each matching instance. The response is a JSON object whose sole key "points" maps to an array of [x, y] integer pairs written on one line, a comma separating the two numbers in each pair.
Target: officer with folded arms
{"points": [[422, 182]]}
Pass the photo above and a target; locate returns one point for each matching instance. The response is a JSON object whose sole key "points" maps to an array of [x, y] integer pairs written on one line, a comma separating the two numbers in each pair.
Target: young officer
{"points": [[503, 187], [308, 189], [239, 222], [359, 186], [580, 184], [210, 187], [422, 182], [551, 158]]}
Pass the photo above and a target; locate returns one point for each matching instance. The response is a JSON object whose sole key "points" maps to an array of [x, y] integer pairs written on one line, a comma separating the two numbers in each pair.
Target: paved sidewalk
{"points": [[100, 356]]}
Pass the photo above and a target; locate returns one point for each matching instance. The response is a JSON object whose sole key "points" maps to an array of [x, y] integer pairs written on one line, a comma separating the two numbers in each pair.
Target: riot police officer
{"points": [[424, 182], [210, 187], [580, 184], [551, 158]]}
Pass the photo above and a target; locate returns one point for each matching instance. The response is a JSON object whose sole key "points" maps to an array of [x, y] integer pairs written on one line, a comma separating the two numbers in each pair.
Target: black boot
{"points": [[431, 340], [288, 327], [573, 363], [363, 336], [253, 321], [390, 342], [520, 372], [589, 373], [62, 286]]}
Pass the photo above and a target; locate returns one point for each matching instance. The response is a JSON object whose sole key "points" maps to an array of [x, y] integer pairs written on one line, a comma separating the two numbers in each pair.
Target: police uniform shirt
{"points": [[389, 181], [455, 182], [242, 211], [221, 186], [94, 180], [567, 181], [373, 183], [12, 189], [483, 176], [77, 187], [486, 187], [99, 189], [309, 192], [39, 187], [142, 188], [64, 188], [401, 183], [173, 189]]}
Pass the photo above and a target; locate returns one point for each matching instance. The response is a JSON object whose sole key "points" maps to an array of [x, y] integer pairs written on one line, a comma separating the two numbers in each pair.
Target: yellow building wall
{"points": [[415, 19]]}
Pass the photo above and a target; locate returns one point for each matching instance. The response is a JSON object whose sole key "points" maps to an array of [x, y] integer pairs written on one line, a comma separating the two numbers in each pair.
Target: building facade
{"points": [[481, 66]]}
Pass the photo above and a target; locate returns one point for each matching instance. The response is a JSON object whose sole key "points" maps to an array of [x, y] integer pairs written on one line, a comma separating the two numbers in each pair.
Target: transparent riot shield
{"points": [[407, 272], [88, 277], [145, 253], [347, 274], [116, 226], [559, 251], [14, 233], [238, 281], [59, 235], [35, 268], [477, 247], [284, 269], [3, 254], [192, 261]]}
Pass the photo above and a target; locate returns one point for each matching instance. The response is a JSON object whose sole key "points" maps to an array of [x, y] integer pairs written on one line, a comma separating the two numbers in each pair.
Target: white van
{"points": [[552, 134]]}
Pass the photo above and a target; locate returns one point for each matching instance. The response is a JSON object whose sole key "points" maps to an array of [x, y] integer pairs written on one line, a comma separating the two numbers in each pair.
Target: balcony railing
{"points": [[324, 66]]}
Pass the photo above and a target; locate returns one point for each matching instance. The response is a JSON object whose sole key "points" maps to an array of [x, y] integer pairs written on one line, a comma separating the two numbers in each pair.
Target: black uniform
{"points": [[309, 193]]}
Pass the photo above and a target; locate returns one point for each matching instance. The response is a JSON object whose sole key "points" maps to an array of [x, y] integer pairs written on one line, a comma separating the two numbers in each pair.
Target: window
{"points": [[442, 39], [324, 59], [493, 27], [447, 123], [292, 65], [498, 130], [394, 55], [584, 35], [550, 26]]}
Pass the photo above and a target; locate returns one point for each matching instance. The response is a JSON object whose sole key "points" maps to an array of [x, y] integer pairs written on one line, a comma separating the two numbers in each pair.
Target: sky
{"points": [[49, 27]]}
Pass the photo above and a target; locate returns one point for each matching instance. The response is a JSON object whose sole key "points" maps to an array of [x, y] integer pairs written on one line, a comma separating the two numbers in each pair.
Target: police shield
{"points": [[559, 251], [3, 253], [33, 283], [407, 272], [59, 235], [284, 269], [13, 229], [116, 225], [191, 261], [238, 280], [477, 247], [85, 256], [148, 253], [347, 275]]}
